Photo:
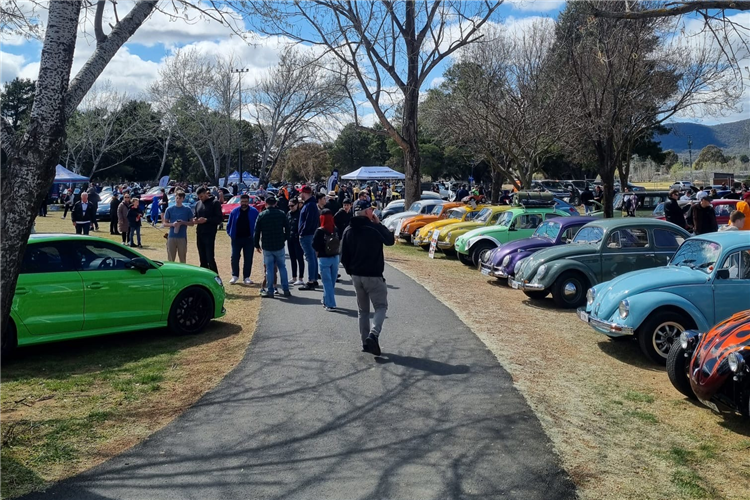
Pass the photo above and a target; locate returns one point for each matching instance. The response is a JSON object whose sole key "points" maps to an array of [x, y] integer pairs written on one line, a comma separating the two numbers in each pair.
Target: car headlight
{"points": [[517, 267], [590, 296], [624, 308], [688, 339], [448, 236], [541, 271], [505, 261], [218, 280], [736, 362], [406, 229], [429, 234]]}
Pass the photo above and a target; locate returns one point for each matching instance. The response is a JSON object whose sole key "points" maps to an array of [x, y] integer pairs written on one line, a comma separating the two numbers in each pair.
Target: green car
{"points": [[514, 224], [81, 286]]}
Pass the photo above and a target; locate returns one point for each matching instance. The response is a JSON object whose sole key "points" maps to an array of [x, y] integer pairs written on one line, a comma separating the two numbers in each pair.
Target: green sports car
{"points": [[81, 286]]}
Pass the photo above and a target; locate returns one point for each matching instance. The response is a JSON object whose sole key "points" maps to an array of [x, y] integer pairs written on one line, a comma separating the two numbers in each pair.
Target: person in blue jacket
{"points": [[155, 210], [241, 228], [309, 222]]}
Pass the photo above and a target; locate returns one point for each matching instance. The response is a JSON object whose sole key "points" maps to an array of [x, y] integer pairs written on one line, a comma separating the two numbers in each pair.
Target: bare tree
{"points": [[295, 101], [387, 45]]}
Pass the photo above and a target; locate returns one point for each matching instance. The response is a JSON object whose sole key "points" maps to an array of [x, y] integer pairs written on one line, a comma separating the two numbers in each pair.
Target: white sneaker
{"points": [[293, 281], [233, 280], [298, 283], [248, 281]]}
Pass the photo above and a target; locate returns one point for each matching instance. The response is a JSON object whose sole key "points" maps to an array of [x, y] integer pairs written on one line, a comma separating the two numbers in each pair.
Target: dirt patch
{"points": [[69, 406], [621, 430]]}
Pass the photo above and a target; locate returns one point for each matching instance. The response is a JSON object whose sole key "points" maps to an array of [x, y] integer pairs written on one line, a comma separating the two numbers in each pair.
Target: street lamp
{"points": [[239, 72], [690, 152]]}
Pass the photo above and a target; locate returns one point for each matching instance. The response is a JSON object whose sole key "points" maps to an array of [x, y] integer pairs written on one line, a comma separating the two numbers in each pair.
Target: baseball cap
{"points": [[701, 195], [361, 205], [270, 200], [305, 189]]}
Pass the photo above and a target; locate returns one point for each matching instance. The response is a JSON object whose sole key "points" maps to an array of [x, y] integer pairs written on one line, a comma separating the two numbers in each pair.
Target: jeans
{"points": [[244, 245], [273, 259], [329, 268], [83, 228], [206, 243], [297, 256], [370, 289], [589, 208], [135, 231], [312, 259]]}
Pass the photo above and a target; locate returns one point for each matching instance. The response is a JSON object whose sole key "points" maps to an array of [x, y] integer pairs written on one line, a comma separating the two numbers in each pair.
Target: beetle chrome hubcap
{"points": [[570, 290], [665, 335]]}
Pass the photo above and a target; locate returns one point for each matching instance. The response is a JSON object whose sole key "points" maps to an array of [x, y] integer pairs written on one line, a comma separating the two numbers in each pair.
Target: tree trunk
{"points": [[497, 186], [607, 174], [409, 128], [31, 161]]}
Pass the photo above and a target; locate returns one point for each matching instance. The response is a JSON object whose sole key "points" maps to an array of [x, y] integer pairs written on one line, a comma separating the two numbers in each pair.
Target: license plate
{"points": [[584, 316], [485, 271], [514, 285]]}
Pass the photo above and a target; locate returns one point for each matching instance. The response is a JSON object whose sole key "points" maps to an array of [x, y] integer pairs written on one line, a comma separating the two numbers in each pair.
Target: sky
{"points": [[136, 65]]}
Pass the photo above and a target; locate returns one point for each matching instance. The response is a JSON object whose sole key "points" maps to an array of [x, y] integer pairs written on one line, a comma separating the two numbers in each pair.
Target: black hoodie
{"points": [[362, 247], [211, 210]]}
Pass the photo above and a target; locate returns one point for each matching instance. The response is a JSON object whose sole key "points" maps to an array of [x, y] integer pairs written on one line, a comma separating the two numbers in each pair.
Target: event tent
{"points": [[373, 174], [64, 176], [246, 177]]}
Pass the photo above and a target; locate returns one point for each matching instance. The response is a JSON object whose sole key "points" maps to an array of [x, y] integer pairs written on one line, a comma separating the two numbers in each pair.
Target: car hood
{"points": [[531, 264], [522, 245], [465, 226], [440, 224], [485, 231], [611, 293]]}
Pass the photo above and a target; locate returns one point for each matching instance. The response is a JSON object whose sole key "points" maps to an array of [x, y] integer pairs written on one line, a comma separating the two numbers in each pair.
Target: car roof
{"points": [[726, 238], [628, 221]]}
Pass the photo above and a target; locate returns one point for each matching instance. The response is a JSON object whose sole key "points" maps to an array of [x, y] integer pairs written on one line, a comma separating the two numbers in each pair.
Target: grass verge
{"points": [[69, 406]]}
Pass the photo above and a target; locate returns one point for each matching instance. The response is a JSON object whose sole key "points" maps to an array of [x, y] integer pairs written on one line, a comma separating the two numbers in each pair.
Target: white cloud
{"points": [[10, 65], [436, 82], [536, 5]]}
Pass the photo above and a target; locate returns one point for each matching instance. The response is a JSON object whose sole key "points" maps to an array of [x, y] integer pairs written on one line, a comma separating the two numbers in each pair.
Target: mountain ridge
{"points": [[733, 138]]}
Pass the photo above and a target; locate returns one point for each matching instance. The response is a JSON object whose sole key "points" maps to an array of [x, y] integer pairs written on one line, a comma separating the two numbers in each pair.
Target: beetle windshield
{"points": [[548, 230], [415, 207], [505, 219], [436, 210], [589, 235], [484, 215], [456, 214], [697, 254]]}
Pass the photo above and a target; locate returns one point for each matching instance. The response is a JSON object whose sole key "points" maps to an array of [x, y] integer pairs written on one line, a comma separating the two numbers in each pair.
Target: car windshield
{"points": [[484, 215], [505, 219], [436, 210], [415, 207], [235, 199], [472, 215], [548, 230], [697, 254], [589, 235], [456, 214], [553, 185]]}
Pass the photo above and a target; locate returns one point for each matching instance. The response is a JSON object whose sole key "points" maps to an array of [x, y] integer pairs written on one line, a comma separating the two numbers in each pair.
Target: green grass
{"points": [[638, 397], [688, 484], [643, 416]]}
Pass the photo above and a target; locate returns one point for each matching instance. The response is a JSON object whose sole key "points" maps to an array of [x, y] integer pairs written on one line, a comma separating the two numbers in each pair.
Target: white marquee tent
{"points": [[373, 174]]}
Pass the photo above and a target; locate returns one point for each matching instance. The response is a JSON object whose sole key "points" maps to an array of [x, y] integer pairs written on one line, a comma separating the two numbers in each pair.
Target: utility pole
{"points": [[239, 72], [690, 152]]}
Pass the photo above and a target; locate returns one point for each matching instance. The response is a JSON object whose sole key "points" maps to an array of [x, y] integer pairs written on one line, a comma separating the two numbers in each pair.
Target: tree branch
{"points": [[679, 8], [98, 30]]}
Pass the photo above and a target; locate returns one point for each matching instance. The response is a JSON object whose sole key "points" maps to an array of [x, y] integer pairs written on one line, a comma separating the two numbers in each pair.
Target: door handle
{"points": [[650, 255], [21, 291], [95, 285]]}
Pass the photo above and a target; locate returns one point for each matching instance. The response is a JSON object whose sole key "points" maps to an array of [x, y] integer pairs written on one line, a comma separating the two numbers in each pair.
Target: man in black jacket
{"points": [[342, 217], [208, 216], [83, 213], [114, 204], [362, 257], [673, 211], [704, 217]]}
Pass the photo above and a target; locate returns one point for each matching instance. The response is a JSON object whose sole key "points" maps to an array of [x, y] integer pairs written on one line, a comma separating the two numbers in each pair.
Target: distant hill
{"points": [[733, 138]]}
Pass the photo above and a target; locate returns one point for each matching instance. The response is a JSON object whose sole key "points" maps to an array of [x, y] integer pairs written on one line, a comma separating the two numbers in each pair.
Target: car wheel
{"points": [[407, 238], [479, 249], [536, 295], [569, 290], [659, 332], [465, 259], [678, 366], [449, 252], [8, 341], [191, 311]]}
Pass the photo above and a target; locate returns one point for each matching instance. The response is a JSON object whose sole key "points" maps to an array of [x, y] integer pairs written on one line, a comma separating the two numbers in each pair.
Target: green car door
{"points": [[524, 225], [49, 291], [116, 295], [627, 249]]}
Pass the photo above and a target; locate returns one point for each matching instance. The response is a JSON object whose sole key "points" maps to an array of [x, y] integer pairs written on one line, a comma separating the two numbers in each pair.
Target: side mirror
{"points": [[722, 274], [138, 263], [512, 227]]}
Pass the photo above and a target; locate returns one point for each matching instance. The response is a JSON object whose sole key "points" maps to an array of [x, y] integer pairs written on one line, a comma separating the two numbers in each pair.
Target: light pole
{"points": [[239, 72], [690, 152]]}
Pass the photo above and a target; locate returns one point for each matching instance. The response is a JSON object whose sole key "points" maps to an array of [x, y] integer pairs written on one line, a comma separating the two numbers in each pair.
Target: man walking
{"points": [[82, 215], [114, 204], [704, 217], [362, 257], [272, 228], [177, 218], [240, 228], [673, 211], [93, 200], [587, 198], [342, 217], [208, 216], [309, 221]]}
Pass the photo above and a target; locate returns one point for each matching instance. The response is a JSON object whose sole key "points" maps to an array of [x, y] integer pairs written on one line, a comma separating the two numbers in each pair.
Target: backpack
{"points": [[331, 243]]}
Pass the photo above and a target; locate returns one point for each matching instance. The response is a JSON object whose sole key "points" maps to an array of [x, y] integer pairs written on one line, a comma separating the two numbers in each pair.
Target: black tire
{"points": [[448, 251], [191, 311], [476, 251], [677, 370], [8, 341], [406, 238], [657, 334], [569, 290], [536, 295], [465, 259]]}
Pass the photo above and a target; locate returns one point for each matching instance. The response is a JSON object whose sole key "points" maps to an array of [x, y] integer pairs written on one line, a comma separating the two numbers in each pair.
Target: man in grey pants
{"points": [[362, 257]]}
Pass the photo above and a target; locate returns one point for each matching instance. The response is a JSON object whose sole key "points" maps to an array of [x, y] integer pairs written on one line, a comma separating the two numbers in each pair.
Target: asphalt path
{"points": [[306, 415]]}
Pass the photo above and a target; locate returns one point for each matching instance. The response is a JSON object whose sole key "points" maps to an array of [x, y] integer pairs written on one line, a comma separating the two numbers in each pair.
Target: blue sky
{"points": [[136, 65]]}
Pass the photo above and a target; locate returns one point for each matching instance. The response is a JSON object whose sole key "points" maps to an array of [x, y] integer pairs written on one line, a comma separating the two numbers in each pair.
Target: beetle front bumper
{"points": [[605, 327], [520, 285]]}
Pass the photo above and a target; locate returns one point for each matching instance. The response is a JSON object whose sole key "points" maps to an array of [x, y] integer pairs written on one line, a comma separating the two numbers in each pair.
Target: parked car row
{"points": [[632, 277]]}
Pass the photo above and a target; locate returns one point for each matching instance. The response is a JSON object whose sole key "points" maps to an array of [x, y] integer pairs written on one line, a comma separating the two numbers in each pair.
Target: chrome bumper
{"points": [[404, 235], [495, 272], [444, 244], [606, 327], [520, 285]]}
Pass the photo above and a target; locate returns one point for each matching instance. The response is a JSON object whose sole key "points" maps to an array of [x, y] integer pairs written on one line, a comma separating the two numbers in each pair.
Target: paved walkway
{"points": [[307, 416]]}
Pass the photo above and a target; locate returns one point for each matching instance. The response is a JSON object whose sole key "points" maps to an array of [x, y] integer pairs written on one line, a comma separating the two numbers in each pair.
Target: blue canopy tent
{"points": [[373, 174], [247, 177], [65, 176]]}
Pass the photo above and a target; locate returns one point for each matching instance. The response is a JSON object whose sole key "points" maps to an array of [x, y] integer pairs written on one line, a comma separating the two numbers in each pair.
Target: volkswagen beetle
{"points": [[465, 213]]}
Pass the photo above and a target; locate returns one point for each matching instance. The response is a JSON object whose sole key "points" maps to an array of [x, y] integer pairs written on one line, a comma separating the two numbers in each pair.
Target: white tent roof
{"points": [[373, 174]]}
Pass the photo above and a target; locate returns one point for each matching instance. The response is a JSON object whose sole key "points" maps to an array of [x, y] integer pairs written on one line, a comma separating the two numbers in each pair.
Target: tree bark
{"points": [[31, 162], [497, 186], [409, 129]]}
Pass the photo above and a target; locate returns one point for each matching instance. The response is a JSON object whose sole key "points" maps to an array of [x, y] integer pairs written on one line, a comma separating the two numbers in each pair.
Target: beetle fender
{"points": [[476, 240], [557, 267], [643, 304]]}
